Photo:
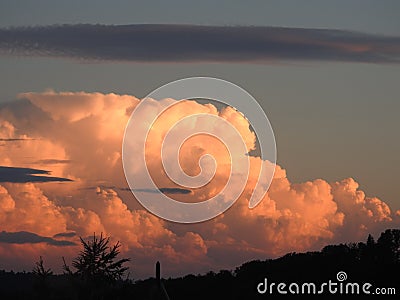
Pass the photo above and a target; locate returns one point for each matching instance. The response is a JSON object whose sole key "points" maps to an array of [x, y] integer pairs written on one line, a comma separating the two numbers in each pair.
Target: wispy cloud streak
{"points": [[24, 175], [191, 43], [24, 237]]}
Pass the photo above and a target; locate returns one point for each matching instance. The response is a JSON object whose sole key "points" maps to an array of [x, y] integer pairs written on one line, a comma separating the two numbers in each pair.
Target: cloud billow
{"points": [[193, 43], [68, 126]]}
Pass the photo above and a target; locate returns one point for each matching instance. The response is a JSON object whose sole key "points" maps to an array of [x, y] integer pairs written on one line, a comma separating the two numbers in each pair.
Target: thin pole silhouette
{"points": [[160, 284]]}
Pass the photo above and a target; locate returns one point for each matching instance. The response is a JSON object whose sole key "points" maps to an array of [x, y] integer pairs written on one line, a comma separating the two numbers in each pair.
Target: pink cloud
{"points": [[85, 130]]}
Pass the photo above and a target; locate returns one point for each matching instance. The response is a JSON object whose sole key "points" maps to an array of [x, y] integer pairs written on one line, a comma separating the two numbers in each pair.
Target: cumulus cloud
{"points": [[191, 43], [86, 130]]}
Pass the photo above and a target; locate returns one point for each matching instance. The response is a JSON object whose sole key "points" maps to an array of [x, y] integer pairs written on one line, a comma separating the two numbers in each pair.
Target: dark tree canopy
{"points": [[389, 245], [97, 271]]}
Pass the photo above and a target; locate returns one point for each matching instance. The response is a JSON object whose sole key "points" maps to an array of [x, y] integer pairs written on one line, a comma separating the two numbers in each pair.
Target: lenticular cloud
{"points": [[79, 136]]}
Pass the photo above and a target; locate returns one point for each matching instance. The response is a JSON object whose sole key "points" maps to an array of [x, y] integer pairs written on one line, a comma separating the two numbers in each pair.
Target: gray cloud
{"points": [[64, 234], [24, 237], [191, 43], [162, 190], [52, 161], [23, 175], [14, 140]]}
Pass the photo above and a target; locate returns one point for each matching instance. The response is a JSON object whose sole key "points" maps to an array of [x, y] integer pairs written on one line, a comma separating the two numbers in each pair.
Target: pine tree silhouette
{"points": [[97, 269], [40, 271]]}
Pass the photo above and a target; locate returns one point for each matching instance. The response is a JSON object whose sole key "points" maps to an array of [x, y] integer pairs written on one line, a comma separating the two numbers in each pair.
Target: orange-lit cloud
{"points": [[79, 136]]}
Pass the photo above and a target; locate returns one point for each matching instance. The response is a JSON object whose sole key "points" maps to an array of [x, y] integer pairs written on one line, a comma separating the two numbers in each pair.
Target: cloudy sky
{"points": [[325, 74]]}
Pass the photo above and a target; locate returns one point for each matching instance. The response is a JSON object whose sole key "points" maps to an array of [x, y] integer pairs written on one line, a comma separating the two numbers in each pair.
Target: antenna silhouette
{"points": [[160, 285]]}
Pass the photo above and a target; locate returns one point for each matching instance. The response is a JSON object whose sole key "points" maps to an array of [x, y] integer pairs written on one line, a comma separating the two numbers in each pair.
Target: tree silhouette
{"points": [[370, 241], [97, 263], [97, 268], [42, 276], [389, 245], [40, 271]]}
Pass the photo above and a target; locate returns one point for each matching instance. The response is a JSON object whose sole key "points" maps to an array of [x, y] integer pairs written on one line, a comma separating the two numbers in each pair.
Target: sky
{"points": [[326, 74]]}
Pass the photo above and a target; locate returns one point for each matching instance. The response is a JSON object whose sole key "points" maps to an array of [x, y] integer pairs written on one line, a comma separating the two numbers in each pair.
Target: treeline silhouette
{"points": [[374, 262]]}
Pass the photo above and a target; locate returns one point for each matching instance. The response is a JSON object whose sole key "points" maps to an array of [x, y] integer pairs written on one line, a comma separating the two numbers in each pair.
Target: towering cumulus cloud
{"points": [[78, 137]]}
